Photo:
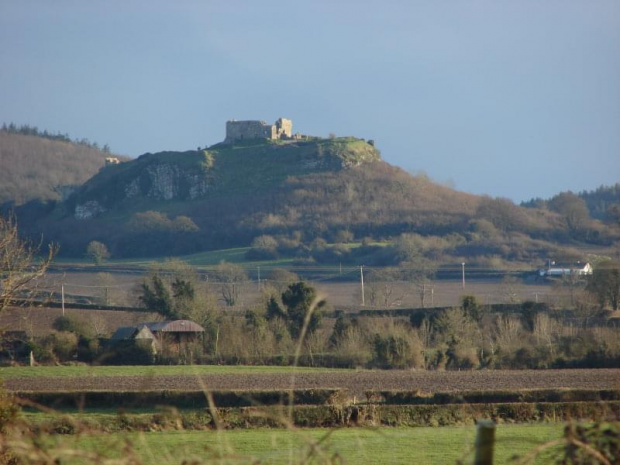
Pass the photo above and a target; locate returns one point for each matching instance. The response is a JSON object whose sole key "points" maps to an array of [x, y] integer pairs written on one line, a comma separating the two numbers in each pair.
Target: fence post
{"points": [[485, 440]]}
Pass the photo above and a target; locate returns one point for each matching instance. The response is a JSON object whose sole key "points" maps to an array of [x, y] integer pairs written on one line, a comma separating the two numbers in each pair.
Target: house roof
{"points": [[176, 326], [124, 332], [143, 332], [578, 264]]}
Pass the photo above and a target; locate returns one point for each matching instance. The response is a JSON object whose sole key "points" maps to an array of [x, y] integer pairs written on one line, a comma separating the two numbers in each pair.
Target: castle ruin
{"points": [[253, 129]]}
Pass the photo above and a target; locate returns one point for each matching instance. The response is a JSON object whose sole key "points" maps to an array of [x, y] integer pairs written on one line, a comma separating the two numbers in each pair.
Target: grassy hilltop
{"points": [[221, 170]]}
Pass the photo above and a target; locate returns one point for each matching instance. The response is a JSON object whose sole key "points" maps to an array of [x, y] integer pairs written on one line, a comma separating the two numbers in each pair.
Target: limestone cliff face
{"points": [[88, 210], [158, 177], [167, 182]]}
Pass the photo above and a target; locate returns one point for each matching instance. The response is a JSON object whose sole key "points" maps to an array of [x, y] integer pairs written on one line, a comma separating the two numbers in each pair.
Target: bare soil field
{"points": [[445, 293], [357, 383], [120, 288]]}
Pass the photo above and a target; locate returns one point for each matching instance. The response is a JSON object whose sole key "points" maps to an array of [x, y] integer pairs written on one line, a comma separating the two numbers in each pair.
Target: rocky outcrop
{"points": [[88, 210], [157, 181], [167, 182]]}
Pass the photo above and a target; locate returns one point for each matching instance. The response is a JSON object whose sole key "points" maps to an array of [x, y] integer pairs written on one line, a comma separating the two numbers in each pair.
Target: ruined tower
{"points": [[254, 129]]}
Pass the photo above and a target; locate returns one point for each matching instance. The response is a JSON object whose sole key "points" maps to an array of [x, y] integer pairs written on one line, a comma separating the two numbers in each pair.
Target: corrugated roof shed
{"points": [[176, 326], [147, 330]]}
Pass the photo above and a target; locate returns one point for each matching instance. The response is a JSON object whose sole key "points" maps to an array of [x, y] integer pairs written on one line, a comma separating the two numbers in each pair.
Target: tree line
{"points": [[27, 130], [289, 317], [285, 322]]}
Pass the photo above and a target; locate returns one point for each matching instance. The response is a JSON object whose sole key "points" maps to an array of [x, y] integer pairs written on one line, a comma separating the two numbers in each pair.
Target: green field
{"points": [[354, 445], [236, 255], [147, 370], [205, 259], [200, 259]]}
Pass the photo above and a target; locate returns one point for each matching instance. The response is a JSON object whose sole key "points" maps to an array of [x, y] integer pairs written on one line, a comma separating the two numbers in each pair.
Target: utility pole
{"points": [[463, 273], [362, 281], [258, 267], [62, 297]]}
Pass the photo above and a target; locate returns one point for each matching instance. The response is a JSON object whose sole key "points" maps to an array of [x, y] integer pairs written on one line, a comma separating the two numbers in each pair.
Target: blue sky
{"points": [[515, 99]]}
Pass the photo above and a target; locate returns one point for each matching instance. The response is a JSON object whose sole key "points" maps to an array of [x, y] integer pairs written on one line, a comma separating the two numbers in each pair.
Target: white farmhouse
{"points": [[566, 269]]}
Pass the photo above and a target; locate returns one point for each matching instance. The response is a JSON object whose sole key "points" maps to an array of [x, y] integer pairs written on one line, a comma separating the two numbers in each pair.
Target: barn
{"points": [[170, 334]]}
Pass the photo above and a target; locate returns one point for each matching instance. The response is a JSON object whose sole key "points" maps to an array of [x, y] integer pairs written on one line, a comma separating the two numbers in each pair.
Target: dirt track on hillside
{"points": [[356, 382]]}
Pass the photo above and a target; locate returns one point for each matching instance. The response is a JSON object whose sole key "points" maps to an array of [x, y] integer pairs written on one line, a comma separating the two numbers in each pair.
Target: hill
{"points": [[316, 200], [222, 170], [603, 202], [38, 167]]}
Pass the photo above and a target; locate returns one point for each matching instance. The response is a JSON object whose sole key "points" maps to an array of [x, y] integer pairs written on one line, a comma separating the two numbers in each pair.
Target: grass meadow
{"points": [[421, 446]]}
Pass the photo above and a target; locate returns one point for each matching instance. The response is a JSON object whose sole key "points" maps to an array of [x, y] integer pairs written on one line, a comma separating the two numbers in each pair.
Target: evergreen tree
{"points": [[157, 298], [472, 308], [274, 310], [302, 303]]}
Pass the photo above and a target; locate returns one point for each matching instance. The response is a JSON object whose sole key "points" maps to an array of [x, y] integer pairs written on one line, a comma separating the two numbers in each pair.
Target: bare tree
{"points": [[572, 209], [108, 289], [231, 278], [421, 275], [281, 279], [545, 331], [383, 289], [605, 284], [20, 265], [511, 289], [508, 332]]}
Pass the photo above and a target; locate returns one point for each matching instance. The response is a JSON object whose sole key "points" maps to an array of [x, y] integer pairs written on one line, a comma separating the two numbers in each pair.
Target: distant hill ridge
{"points": [[603, 203], [37, 165], [313, 200]]}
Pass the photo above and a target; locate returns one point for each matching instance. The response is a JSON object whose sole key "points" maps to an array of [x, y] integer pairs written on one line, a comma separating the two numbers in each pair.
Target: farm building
{"points": [[566, 269], [162, 333]]}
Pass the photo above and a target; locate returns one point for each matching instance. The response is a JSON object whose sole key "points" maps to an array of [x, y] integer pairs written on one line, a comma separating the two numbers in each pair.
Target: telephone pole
{"points": [[62, 296], [362, 282], [463, 273]]}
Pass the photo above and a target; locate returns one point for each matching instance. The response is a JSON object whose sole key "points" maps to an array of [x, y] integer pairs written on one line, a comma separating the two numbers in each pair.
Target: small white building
{"points": [[566, 269]]}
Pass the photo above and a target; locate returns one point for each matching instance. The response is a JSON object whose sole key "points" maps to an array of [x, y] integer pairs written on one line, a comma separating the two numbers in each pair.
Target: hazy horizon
{"points": [[517, 100]]}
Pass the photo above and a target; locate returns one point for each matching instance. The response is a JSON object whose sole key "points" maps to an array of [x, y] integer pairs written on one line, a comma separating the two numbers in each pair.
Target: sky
{"points": [[515, 99]]}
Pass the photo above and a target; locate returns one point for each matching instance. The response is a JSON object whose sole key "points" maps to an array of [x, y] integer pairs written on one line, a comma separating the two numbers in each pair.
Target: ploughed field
{"points": [[355, 382]]}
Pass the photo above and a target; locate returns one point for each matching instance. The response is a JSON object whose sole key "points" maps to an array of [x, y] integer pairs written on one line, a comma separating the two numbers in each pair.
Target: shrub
{"points": [[42, 353], [8, 410], [88, 350], [263, 248], [462, 358], [71, 324], [394, 351], [64, 345], [128, 353]]}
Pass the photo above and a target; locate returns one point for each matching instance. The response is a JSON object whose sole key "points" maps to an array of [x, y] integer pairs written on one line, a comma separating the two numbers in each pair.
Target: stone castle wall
{"points": [[242, 130], [284, 128]]}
